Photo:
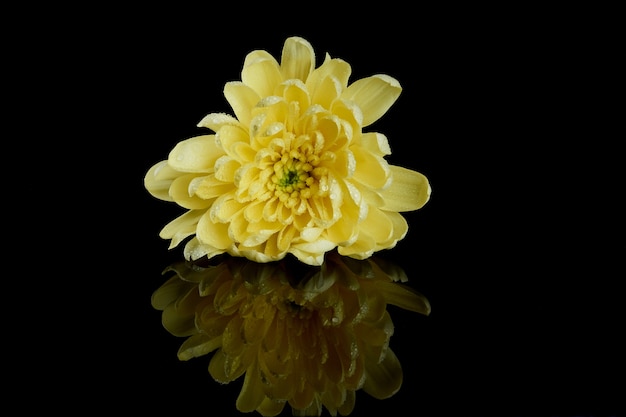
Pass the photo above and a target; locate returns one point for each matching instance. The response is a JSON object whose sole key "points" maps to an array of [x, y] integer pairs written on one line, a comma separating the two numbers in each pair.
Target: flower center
{"points": [[294, 173]]}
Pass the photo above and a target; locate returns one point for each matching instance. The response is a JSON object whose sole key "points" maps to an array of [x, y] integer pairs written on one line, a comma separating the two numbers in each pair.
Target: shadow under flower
{"points": [[307, 336]]}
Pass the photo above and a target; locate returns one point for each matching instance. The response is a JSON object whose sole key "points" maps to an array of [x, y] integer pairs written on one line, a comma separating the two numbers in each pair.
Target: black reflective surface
{"points": [[520, 251]]}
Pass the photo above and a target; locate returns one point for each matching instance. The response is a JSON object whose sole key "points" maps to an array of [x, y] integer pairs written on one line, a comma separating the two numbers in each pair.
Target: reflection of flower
{"points": [[293, 172], [303, 335]]}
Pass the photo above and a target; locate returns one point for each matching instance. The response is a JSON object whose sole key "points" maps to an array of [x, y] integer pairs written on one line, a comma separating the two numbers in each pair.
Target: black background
{"points": [[520, 250]]}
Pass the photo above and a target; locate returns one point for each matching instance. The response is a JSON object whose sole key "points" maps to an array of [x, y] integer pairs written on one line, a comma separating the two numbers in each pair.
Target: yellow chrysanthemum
{"points": [[293, 172], [309, 337]]}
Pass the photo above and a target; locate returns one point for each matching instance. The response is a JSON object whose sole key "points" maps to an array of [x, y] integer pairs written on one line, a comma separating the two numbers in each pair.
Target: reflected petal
{"points": [[301, 335]]}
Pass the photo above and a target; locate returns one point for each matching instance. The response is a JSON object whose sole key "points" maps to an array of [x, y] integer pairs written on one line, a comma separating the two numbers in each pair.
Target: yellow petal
{"points": [[261, 72], [298, 59], [242, 99], [198, 345], [383, 379], [185, 223], [180, 192], [377, 224], [295, 91], [229, 136], [217, 367], [326, 92], [252, 394], [225, 169], [333, 73], [270, 408], [194, 249], [158, 180], [374, 95], [197, 154], [177, 322], [205, 189], [399, 230], [408, 191], [348, 405], [167, 293], [362, 248], [215, 121], [404, 297], [350, 112], [312, 253], [376, 143], [214, 234], [371, 170]]}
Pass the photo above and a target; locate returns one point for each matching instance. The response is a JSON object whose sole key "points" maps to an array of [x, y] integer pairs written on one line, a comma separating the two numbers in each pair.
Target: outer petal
{"points": [[378, 225], [197, 154], [214, 234], [371, 169], [376, 143], [261, 72], [181, 227], [214, 121], [196, 250], [298, 59], [408, 191], [399, 230], [374, 95], [384, 379], [158, 180], [228, 137], [242, 99], [312, 253], [336, 68], [182, 193], [252, 394]]}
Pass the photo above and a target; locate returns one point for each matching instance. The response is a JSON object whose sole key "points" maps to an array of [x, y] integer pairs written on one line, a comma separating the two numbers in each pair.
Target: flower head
{"points": [[305, 336], [293, 171]]}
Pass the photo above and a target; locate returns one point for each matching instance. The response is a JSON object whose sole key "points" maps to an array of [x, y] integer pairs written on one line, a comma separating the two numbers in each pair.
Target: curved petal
{"points": [[181, 191], [404, 297], [312, 253], [185, 224], [326, 91], [376, 143], [362, 248], [207, 188], [383, 379], [374, 95], [377, 224], [252, 393], [295, 91], [269, 407], [211, 233], [228, 136], [242, 99], [214, 121], [196, 250], [371, 170], [350, 112], [198, 345], [408, 191], [298, 59], [261, 72], [398, 232], [225, 169], [158, 180], [336, 69], [197, 154]]}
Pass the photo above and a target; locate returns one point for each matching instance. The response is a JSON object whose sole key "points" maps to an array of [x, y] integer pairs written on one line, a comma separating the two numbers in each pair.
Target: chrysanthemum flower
{"points": [[309, 337], [293, 172]]}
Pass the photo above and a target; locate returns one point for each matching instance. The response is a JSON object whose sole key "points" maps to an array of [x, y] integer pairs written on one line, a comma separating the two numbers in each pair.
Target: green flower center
{"points": [[290, 177]]}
